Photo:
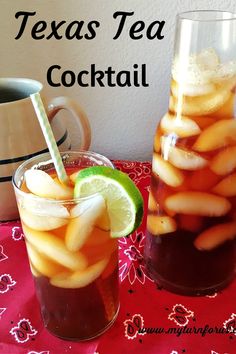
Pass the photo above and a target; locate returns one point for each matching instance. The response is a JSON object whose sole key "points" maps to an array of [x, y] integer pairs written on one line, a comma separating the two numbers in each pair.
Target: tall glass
{"points": [[191, 223], [73, 260]]}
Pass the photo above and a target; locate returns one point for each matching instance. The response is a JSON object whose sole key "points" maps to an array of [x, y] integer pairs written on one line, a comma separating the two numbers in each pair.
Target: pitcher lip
{"points": [[188, 16]]}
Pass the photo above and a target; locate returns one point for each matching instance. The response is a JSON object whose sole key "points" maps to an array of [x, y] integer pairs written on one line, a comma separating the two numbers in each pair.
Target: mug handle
{"points": [[62, 102]]}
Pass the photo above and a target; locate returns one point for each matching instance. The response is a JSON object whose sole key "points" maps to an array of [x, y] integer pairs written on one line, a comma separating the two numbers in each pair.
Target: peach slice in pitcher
{"points": [[227, 186], [43, 185], [81, 278], [220, 134], [215, 236], [224, 162], [166, 172], [160, 225], [183, 159], [54, 248], [201, 105], [84, 216], [198, 203]]}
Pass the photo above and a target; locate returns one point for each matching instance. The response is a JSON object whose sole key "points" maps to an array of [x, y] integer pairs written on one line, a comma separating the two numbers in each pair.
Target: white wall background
{"points": [[123, 120]]}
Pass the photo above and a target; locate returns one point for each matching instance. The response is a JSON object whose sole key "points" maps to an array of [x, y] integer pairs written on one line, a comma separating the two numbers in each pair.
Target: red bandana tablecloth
{"points": [[151, 320]]}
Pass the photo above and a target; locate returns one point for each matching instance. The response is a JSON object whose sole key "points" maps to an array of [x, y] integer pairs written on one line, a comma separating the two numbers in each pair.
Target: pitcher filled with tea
{"points": [[191, 222]]}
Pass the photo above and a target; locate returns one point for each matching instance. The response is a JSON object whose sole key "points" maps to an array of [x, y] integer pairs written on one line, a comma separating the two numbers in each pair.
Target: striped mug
{"points": [[21, 136]]}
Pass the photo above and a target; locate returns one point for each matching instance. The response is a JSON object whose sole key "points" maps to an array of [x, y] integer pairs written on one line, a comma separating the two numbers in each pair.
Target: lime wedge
{"points": [[123, 199]]}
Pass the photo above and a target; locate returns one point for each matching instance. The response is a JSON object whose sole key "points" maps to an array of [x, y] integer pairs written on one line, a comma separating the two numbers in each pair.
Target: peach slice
{"points": [[227, 186], [180, 125], [84, 216], [43, 185], [198, 203], [160, 225], [200, 105], [219, 134], [54, 248], [42, 264], [226, 111], [183, 159], [152, 203], [215, 236], [224, 162], [42, 222], [80, 278], [166, 172]]}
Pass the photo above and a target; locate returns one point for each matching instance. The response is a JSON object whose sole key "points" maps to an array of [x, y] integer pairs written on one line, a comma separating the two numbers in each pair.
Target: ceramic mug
{"points": [[21, 136]]}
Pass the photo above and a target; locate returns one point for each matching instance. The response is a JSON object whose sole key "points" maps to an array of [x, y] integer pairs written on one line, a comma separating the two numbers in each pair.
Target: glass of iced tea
{"points": [[191, 222], [73, 259]]}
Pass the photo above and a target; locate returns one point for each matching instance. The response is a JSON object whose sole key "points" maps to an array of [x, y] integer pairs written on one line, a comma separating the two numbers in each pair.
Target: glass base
{"points": [[184, 290], [95, 335]]}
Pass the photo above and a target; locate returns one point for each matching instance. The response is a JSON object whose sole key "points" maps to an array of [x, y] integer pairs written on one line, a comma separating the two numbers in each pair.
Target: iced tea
{"points": [[73, 259], [191, 223]]}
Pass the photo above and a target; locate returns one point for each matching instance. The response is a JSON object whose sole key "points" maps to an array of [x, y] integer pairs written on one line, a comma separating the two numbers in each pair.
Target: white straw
{"points": [[49, 137]]}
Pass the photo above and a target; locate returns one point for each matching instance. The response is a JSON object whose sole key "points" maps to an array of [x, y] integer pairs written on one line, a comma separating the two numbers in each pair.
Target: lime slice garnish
{"points": [[123, 199]]}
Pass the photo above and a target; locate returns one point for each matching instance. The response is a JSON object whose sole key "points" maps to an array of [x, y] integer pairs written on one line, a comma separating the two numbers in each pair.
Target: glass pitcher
{"points": [[191, 222]]}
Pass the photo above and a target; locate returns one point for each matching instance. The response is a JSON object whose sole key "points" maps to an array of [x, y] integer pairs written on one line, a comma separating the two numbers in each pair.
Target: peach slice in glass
{"points": [[80, 278], [84, 216], [54, 248], [43, 185], [42, 264]]}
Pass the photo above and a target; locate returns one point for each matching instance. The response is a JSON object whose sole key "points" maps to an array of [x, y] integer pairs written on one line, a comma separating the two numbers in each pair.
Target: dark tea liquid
{"points": [[84, 312]]}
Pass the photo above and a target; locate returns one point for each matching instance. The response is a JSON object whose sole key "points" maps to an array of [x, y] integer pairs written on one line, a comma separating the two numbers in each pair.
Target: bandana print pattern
{"points": [[132, 326], [132, 266], [3, 256], [23, 331], [6, 282], [180, 315], [230, 324], [17, 233]]}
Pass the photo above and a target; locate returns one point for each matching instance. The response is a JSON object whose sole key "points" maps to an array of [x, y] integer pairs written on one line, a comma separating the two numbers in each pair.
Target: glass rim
{"points": [[189, 16], [49, 160]]}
